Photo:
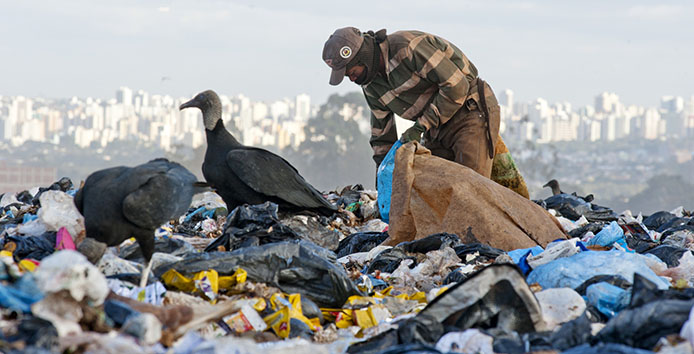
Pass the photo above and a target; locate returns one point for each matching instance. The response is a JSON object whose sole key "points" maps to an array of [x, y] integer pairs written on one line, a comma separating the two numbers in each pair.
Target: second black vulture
{"points": [[122, 202], [247, 175]]}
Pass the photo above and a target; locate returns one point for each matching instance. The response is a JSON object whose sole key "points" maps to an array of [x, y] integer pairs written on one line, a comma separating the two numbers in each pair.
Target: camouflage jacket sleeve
{"points": [[383, 132], [443, 64]]}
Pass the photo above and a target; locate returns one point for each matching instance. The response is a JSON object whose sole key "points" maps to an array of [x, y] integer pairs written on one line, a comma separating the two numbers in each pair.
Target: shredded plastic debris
{"points": [[258, 281]]}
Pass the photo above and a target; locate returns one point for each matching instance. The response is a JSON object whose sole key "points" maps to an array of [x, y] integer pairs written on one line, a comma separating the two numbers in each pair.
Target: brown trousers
{"points": [[463, 138]]}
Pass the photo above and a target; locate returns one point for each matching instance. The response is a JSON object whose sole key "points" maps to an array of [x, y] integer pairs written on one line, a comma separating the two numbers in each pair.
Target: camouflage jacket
{"points": [[428, 79]]}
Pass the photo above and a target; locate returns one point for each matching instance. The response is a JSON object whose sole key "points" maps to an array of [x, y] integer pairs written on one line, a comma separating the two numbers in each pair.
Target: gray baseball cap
{"points": [[340, 49]]}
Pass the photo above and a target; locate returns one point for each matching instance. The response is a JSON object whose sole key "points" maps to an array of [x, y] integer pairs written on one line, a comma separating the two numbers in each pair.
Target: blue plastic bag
{"points": [[385, 181], [608, 299], [570, 272], [607, 236]]}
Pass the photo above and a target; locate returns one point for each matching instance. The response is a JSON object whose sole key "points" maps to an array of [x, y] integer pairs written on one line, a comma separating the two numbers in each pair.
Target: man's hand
{"points": [[413, 133]]}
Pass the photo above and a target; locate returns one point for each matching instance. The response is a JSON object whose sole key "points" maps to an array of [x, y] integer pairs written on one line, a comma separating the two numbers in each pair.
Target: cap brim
{"points": [[337, 76]]}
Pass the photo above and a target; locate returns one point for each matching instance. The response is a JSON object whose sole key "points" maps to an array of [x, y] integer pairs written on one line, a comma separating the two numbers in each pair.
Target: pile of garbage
{"points": [[254, 279]]}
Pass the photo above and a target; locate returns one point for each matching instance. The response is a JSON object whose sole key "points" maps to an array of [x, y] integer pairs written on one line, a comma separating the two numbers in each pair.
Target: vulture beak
{"points": [[191, 103]]}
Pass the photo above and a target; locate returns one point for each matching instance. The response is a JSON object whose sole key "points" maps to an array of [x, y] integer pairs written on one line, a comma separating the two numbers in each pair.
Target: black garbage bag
{"points": [[640, 242], [24, 197], [572, 333], [376, 344], [669, 254], [606, 348], [33, 247], [486, 252], [252, 225], [455, 276], [678, 235], [495, 297], [645, 291], [64, 184], [37, 333], [643, 326], [515, 343], [360, 242], [612, 279], [118, 311], [656, 220], [389, 260], [430, 243], [675, 222], [174, 247], [415, 331], [593, 227], [295, 266]]}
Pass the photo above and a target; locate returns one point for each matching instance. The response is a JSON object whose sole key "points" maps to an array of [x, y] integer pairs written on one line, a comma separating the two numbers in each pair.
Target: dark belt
{"points": [[485, 114]]}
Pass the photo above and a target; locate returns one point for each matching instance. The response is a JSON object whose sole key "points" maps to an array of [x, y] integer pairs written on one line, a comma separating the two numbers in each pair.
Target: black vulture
{"points": [[247, 175], [122, 202], [556, 190]]}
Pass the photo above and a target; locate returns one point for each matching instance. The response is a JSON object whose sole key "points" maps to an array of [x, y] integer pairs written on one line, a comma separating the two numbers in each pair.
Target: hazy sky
{"points": [[272, 49]]}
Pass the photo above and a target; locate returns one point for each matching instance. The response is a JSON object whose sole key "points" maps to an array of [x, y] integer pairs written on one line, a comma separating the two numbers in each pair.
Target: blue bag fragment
{"points": [[608, 235], [607, 298], [20, 295], [517, 255], [385, 181], [570, 272]]}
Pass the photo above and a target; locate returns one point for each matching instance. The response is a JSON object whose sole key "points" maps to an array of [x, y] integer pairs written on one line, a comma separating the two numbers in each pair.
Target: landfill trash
{"points": [[554, 250], [293, 266], [560, 305], [360, 242], [468, 341], [20, 295], [31, 247], [252, 225], [572, 271], [643, 326], [70, 270], [145, 327], [442, 292], [57, 210], [608, 235], [384, 181], [607, 298]]}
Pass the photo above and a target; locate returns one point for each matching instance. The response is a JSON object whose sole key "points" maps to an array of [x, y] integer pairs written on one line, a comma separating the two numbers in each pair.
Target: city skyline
{"points": [[263, 49], [155, 118]]}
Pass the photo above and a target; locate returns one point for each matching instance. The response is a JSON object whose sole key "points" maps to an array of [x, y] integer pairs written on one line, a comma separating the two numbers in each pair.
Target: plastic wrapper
{"points": [[71, 271], [58, 210], [151, 294], [469, 341], [560, 305], [554, 250]]}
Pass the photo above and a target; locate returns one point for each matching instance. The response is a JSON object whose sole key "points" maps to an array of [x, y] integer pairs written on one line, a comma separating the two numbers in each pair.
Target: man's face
{"points": [[355, 72]]}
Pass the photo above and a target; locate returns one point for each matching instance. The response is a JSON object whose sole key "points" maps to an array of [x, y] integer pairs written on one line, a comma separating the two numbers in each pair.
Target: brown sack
{"points": [[431, 195]]}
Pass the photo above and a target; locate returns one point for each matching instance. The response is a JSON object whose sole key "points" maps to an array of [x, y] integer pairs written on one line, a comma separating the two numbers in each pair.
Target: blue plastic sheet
{"points": [[385, 181], [570, 272]]}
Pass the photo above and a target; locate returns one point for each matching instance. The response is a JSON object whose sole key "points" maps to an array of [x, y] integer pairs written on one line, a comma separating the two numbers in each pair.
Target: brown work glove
{"points": [[413, 133]]}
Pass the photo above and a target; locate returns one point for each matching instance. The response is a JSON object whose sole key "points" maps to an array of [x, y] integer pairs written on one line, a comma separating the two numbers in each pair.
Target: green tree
{"points": [[335, 153]]}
